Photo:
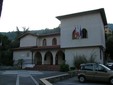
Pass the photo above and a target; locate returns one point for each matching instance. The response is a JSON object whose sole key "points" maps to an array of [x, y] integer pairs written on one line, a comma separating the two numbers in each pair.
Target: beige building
{"points": [[80, 34]]}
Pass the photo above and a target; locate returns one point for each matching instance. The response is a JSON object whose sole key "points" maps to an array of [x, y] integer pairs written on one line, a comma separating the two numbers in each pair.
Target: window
{"points": [[100, 68], [44, 42], [54, 41], [84, 33], [79, 33], [87, 67], [28, 54]]}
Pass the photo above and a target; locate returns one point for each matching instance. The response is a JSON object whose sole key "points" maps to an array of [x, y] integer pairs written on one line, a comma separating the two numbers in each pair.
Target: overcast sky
{"points": [[41, 14]]}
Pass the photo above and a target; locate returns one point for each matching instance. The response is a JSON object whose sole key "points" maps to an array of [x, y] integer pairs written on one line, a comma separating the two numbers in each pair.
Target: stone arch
{"points": [[60, 57], [38, 58], [48, 58]]}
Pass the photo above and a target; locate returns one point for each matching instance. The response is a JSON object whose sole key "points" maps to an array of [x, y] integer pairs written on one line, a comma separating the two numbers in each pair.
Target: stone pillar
{"points": [[54, 55], [43, 55]]}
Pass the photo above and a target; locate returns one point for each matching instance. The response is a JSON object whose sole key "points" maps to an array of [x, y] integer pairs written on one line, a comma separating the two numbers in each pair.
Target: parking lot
{"points": [[23, 77]]}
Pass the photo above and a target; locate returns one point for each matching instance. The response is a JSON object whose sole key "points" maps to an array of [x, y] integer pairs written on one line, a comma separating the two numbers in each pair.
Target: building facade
{"points": [[80, 34]]}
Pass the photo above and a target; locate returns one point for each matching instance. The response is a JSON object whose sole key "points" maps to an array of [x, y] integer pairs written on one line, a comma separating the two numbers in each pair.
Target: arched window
{"points": [[54, 41], [84, 33], [44, 42]]}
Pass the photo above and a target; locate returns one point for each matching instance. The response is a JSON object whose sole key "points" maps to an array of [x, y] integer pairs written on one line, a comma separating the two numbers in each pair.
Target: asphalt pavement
{"points": [[25, 77]]}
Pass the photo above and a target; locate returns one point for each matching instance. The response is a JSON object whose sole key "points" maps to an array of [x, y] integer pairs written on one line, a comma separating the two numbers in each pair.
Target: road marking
{"points": [[34, 80], [17, 80]]}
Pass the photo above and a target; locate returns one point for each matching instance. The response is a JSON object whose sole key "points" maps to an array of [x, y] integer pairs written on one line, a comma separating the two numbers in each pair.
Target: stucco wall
{"points": [[94, 26], [25, 55], [28, 40], [49, 40], [71, 53]]}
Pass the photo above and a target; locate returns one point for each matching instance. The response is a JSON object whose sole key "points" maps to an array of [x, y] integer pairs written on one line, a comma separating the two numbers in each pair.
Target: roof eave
{"points": [[101, 10]]}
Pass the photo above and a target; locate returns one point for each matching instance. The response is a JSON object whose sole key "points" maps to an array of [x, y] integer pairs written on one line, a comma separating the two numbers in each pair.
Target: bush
{"points": [[64, 67], [82, 59], [72, 68], [79, 60]]}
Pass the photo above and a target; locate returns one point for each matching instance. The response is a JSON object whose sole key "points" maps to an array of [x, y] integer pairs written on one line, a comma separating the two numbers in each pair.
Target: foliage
{"points": [[6, 56], [79, 59], [64, 67], [72, 68], [20, 63], [109, 46]]}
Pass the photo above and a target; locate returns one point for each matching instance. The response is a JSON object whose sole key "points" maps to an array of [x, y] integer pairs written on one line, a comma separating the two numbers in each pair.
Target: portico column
{"points": [[42, 58], [53, 59]]}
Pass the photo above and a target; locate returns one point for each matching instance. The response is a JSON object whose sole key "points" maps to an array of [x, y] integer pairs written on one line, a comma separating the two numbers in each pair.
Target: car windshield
{"points": [[105, 67]]}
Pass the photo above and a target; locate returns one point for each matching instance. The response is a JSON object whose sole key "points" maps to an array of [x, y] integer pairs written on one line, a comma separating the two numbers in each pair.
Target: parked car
{"points": [[110, 65], [96, 72]]}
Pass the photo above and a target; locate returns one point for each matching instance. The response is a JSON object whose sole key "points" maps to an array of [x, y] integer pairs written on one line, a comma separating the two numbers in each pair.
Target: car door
{"points": [[101, 73], [89, 72]]}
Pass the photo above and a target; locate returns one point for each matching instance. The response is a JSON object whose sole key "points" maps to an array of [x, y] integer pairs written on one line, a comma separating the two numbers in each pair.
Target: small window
{"points": [[44, 42], [54, 41], [28, 54], [84, 33]]}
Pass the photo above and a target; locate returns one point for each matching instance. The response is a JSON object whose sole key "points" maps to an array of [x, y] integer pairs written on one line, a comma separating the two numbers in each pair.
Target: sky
{"points": [[41, 14]]}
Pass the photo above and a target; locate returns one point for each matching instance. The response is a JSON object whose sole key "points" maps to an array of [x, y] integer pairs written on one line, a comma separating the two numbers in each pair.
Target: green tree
{"points": [[5, 51], [109, 45]]}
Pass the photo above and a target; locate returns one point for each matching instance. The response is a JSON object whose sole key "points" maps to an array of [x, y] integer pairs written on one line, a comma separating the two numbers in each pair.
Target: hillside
{"points": [[110, 26], [12, 35]]}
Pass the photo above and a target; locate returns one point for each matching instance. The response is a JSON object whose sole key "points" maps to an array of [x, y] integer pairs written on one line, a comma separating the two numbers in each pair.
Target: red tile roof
{"points": [[32, 48]]}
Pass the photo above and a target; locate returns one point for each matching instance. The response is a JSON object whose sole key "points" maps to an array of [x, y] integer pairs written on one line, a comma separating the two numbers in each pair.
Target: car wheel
{"points": [[111, 81], [82, 79]]}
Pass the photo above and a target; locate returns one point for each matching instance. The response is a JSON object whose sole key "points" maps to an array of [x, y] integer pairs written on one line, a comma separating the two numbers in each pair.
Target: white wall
{"points": [[71, 53], [25, 55], [28, 40], [94, 25], [49, 40]]}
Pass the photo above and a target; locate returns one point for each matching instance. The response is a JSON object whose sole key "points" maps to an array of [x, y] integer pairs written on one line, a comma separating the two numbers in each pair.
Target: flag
{"points": [[80, 32]]}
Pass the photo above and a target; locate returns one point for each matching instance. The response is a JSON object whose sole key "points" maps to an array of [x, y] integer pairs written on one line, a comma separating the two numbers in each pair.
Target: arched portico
{"points": [[38, 58], [60, 58], [48, 58]]}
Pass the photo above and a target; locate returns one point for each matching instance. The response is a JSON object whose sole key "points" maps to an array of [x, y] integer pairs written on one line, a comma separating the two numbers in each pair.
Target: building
{"points": [[80, 34]]}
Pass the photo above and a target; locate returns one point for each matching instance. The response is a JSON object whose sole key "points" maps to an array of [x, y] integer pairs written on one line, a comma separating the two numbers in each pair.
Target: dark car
{"points": [[110, 65], [95, 72]]}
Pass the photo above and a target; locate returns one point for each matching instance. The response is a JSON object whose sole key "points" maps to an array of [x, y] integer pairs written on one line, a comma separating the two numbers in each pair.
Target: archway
{"points": [[48, 59], [60, 58], [38, 58]]}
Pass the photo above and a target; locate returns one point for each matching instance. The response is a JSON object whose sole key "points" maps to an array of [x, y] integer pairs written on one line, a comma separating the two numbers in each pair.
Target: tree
{"points": [[5, 51], [109, 45]]}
